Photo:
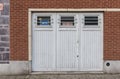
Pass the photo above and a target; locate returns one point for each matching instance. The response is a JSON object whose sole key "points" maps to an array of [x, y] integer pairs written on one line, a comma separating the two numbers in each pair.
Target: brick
{"points": [[6, 56], [6, 27], [4, 32], [4, 1], [111, 36], [1, 57], [7, 49], [1, 27], [4, 20], [2, 49], [19, 24], [4, 44], [5, 38]]}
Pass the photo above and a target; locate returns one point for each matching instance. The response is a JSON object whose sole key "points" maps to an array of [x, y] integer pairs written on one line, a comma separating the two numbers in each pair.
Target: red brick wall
{"points": [[19, 24], [112, 35]]}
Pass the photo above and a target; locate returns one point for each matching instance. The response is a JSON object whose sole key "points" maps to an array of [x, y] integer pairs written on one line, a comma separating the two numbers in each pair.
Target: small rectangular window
{"points": [[91, 20], [67, 21], [43, 21]]}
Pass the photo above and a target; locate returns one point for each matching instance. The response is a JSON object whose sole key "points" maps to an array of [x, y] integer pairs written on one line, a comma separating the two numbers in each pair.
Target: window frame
{"points": [[43, 17], [93, 23], [36, 15], [91, 15], [64, 15]]}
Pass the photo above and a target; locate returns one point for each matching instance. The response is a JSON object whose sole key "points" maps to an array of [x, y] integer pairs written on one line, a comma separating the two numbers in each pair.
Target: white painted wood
{"points": [[67, 49], [66, 46], [92, 45], [43, 57]]}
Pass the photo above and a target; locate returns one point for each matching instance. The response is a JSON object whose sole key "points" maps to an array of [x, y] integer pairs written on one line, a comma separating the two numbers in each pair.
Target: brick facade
{"points": [[112, 35], [19, 24]]}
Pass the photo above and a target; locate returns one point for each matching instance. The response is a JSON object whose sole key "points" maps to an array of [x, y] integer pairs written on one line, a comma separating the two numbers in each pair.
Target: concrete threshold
{"points": [[65, 73]]}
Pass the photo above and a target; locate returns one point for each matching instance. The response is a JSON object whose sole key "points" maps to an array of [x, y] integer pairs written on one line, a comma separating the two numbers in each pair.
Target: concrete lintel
{"points": [[69, 9]]}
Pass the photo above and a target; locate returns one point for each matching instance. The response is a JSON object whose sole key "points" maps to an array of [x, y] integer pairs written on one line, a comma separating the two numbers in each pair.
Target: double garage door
{"points": [[67, 42]]}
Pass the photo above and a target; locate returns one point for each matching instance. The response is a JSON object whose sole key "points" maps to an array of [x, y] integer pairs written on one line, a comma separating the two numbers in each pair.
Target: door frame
{"points": [[30, 11]]}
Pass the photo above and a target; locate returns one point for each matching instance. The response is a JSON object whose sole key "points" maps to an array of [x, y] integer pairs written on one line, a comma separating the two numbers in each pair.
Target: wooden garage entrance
{"points": [[67, 41]]}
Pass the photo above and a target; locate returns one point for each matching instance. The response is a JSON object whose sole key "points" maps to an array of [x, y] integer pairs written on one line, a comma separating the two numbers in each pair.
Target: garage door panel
{"points": [[44, 49], [66, 49], [92, 42], [67, 42], [91, 51]]}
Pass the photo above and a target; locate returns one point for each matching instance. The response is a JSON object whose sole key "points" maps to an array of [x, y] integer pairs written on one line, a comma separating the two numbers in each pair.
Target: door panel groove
{"points": [[67, 46]]}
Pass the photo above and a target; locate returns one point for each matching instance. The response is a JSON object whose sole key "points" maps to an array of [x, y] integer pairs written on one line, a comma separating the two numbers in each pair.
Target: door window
{"points": [[67, 21], [91, 20], [43, 21]]}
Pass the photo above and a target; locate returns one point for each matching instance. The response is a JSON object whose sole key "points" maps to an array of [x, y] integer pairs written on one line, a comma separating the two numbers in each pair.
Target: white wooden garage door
{"points": [[67, 42]]}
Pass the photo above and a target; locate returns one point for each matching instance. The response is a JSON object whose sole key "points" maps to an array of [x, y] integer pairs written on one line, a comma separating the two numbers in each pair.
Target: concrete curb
{"points": [[81, 76]]}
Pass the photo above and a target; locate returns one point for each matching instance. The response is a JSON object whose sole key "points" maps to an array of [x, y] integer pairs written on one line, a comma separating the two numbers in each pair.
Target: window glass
{"points": [[91, 20], [43, 21], [67, 21]]}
